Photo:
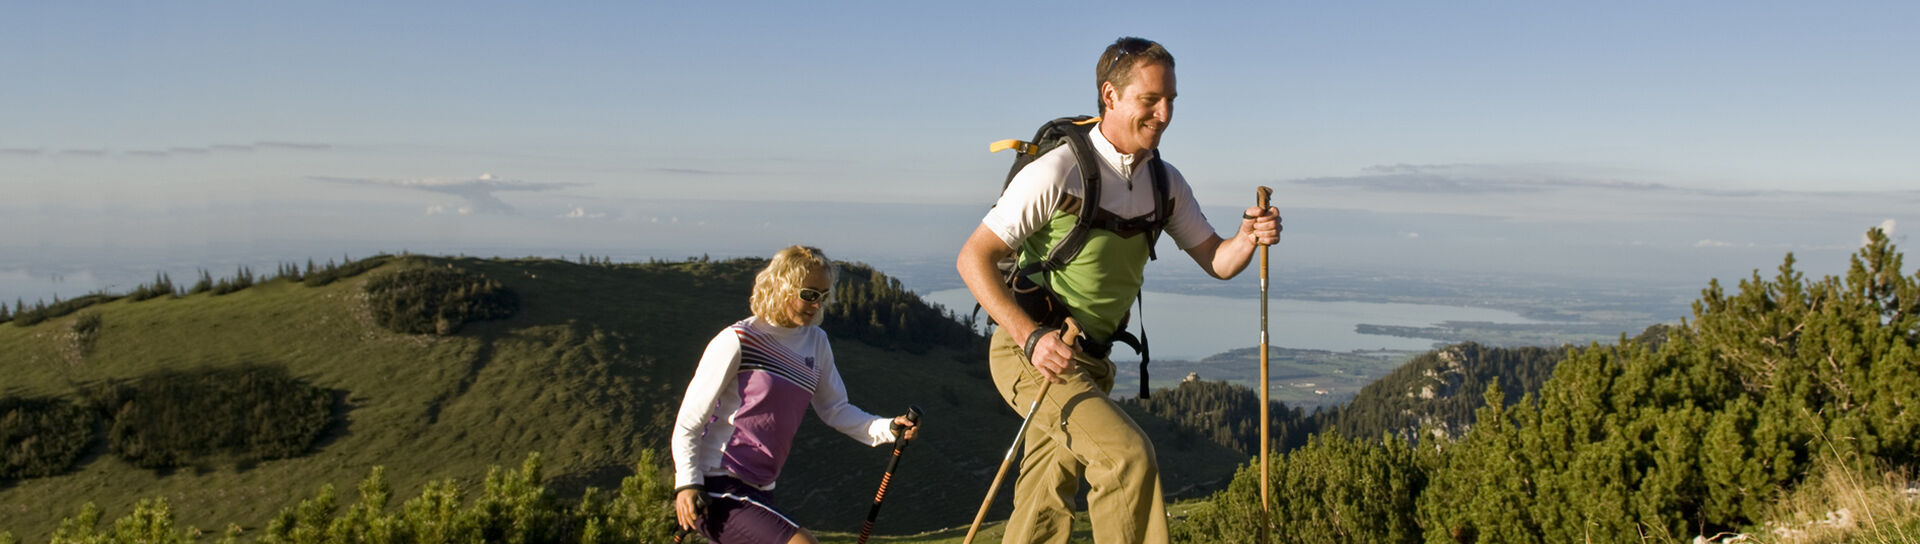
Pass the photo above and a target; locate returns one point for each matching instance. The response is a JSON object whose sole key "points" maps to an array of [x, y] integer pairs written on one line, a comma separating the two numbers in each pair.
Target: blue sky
{"points": [[1712, 136]]}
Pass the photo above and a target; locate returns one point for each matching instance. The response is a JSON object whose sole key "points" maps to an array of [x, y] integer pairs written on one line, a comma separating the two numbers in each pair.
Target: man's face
{"points": [[1138, 114]]}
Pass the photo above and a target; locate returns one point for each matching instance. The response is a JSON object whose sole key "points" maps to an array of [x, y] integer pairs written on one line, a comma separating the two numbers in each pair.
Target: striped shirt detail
{"points": [[759, 351]]}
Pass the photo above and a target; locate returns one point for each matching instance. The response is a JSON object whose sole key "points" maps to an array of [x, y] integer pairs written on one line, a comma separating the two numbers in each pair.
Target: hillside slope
{"points": [[1778, 403], [588, 372]]}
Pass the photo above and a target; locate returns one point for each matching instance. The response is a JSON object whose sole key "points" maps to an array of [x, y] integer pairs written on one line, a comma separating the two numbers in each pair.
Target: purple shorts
{"points": [[738, 512]]}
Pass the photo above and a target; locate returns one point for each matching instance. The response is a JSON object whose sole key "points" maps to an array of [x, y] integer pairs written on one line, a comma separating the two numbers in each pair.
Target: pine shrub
{"points": [[41, 436], [513, 506], [1689, 430], [204, 285], [162, 286], [1332, 490], [332, 273], [174, 419], [437, 300], [60, 308], [874, 308]]}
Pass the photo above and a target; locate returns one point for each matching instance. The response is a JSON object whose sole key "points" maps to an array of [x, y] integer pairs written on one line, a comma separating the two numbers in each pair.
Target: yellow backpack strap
{"points": [[1027, 148], [1004, 145]]}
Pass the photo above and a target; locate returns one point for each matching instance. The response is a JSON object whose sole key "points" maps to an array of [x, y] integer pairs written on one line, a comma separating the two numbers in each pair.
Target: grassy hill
{"points": [[588, 372]]}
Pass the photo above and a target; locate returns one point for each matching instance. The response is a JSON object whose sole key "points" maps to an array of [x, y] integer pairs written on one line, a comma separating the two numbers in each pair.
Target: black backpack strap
{"points": [[1138, 343], [1089, 214], [1162, 207]]}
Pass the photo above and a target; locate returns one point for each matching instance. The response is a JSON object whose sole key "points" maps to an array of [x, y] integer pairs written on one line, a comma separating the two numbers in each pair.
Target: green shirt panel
{"points": [[1098, 284]]}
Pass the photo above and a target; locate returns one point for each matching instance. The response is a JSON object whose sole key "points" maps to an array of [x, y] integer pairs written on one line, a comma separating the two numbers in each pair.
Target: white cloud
{"points": [[581, 213], [1709, 242], [478, 192], [438, 209], [1413, 235]]}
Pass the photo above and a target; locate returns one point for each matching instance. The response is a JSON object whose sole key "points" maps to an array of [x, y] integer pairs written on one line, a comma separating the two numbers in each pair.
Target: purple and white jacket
{"points": [[754, 383]]}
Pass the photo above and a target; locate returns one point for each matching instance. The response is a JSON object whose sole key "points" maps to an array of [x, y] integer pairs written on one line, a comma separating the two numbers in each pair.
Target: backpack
{"points": [[1040, 302]]}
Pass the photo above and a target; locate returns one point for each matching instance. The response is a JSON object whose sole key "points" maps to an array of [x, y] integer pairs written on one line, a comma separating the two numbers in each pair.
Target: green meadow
{"points": [[588, 373]]}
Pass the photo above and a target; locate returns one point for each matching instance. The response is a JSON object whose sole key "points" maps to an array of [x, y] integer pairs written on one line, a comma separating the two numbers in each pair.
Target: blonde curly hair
{"points": [[780, 282]]}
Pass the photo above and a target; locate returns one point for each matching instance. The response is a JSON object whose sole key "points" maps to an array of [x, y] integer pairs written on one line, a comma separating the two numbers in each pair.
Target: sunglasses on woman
{"points": [[810, 295]]}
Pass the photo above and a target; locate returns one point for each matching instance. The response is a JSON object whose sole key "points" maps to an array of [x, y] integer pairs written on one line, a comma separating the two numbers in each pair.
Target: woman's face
{"points": [[803, 312]]}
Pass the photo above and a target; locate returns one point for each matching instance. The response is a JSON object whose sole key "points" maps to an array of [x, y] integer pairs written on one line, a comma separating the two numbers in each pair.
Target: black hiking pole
{"points": [[1261, 196], [913, 415], [1072, 333]]}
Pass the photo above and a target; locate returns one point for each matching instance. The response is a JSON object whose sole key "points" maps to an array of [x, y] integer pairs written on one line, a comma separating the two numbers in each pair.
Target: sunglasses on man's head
{"points": [[811, 295], [1128, 47]]}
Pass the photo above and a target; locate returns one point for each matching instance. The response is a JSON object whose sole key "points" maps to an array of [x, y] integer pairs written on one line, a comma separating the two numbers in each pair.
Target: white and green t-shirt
{"points": [[1101, 282]]}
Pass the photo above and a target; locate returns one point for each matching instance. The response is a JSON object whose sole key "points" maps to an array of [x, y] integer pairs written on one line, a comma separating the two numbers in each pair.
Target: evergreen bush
{"points": [[1228, 415], [512, 507], [204, 285], [174, 419], [871, 307], [162, 286], [437, 300], [332, 273], [41, 436], [60, 308], [1331, 490], [242, 279], [1687, 430]]}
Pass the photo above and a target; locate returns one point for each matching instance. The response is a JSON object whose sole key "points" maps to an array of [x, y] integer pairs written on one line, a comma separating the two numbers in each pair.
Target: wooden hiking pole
{"points": [[1261, 196], [1070, 335]]}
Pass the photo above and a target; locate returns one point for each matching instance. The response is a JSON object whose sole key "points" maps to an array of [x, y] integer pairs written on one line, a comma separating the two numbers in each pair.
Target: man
{"points": [[1077, 430]]}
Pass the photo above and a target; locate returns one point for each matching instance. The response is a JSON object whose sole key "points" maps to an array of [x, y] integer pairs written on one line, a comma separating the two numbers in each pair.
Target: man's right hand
{"points": [[1052, 356], [1053, 352], [689, 505]]}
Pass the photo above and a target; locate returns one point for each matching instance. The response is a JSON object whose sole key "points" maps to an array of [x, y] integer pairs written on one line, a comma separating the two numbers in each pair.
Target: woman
{"points": [[754, 384]]}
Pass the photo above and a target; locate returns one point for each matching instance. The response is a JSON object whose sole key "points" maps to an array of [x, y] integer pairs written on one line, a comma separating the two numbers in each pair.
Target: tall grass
{"points": [[1842, 504]]}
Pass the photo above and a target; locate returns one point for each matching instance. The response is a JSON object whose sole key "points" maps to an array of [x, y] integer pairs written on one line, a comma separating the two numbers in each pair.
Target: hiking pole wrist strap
{"points": [[1034, 338]]}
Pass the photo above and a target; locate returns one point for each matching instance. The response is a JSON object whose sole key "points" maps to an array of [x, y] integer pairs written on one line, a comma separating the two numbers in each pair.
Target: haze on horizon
{"points": [[1633, 140]]}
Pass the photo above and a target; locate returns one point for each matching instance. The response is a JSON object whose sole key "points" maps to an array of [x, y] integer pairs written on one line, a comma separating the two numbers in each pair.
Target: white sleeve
{"points": [[1187, 226], [693, 447], [830, 403], [1031, 197]]}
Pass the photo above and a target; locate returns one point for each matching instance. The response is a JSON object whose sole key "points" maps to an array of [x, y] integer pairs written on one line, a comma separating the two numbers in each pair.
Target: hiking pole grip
{"points": [[1262, 197], [899, 445], [1070, 335]]}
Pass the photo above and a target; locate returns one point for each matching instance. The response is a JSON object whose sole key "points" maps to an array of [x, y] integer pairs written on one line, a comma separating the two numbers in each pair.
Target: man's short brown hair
{"points": [[1117, 62]]}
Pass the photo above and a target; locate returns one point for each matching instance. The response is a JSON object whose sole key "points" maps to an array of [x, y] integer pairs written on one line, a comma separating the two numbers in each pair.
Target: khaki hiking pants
{"points": [[1078, 432]]}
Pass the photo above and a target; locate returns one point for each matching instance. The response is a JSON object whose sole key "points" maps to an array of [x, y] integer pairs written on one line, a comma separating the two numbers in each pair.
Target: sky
{"points": [[1635, 139]]}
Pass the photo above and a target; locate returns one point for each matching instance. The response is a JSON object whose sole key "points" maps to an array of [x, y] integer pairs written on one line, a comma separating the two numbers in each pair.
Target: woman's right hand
{"points": [[689, 505]]}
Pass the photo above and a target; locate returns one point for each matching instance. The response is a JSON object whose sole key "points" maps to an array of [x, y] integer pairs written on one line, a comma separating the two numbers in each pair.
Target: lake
{"points": [[1195, 326]]}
